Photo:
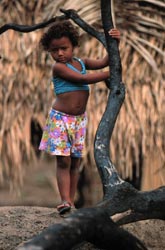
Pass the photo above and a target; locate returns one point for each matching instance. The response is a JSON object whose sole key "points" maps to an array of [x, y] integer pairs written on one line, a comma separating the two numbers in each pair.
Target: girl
{"points": [[65, 129]]}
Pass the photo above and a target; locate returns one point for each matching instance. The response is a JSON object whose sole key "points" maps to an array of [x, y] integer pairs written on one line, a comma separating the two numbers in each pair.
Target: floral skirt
{"points": [[64, 134]]}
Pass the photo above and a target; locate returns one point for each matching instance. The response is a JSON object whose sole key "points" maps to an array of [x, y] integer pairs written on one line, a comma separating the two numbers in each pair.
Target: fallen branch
{"points": [[88, 224]]}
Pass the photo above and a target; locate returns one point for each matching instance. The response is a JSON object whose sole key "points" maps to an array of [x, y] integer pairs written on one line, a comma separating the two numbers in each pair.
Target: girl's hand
{"points": [[115, 33]]}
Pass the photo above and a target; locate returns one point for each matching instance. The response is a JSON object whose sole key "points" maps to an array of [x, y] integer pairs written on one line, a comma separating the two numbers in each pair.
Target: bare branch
{"points": [[29, 28], [72, 14]]}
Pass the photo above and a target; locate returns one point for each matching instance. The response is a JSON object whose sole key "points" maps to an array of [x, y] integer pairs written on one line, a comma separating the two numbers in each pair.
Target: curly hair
{"points": [[58, 30]]}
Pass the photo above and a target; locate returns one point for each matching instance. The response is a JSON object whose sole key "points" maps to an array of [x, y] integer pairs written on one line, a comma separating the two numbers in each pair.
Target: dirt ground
{"points": [[19, 224]]}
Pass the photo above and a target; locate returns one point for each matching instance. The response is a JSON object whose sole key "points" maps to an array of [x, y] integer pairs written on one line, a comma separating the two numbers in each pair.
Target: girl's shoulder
{"points": [[58, 68], [81, 61]]}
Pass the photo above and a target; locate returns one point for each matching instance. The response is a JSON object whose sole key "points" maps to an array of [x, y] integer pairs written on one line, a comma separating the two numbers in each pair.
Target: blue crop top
{"points": [[62, 86]]}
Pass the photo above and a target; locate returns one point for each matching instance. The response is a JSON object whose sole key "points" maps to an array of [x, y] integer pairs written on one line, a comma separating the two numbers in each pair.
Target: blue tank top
{"points": [[63, 86]]}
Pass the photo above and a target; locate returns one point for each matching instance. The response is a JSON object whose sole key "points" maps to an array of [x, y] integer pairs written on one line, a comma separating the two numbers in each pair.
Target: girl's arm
{"points": [[96, 63], [102, 63], [62, 71]]}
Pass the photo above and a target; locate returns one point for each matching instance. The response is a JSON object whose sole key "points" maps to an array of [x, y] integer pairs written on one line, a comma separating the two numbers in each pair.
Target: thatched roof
{"points": [[137, 146]]}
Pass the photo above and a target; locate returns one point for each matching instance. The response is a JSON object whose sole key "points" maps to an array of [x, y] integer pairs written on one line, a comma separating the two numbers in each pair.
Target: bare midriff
{"points": [[72, 103]]}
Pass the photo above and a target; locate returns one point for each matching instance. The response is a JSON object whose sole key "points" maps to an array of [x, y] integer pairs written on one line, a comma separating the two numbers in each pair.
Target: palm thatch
{"points": [[137, 146]]}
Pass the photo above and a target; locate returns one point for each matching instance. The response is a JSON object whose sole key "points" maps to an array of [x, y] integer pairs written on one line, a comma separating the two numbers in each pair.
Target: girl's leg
{"points": [[63, 177], [74, 176]]}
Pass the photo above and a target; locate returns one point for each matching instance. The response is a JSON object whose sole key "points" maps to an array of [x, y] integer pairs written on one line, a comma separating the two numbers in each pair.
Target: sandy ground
{"points": [[19, 224]]}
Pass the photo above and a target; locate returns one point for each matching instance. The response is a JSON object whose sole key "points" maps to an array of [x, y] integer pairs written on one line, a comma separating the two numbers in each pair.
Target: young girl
{"points": [[65, 129]]}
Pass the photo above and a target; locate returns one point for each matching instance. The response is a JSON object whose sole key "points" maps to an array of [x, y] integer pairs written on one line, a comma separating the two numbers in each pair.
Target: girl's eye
{"points": [[53, 50]]}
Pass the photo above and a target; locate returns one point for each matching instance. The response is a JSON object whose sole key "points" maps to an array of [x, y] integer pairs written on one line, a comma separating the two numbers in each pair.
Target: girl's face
{"points": [[61, 49]]}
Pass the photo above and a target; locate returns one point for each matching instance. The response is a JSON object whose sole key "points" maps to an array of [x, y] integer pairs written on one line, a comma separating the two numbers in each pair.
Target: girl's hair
{"points": [[58, 30]]}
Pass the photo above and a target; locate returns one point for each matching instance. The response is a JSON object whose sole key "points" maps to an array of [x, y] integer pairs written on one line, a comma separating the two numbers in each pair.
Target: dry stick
{"points": [[72, 14], [28, 28]]}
